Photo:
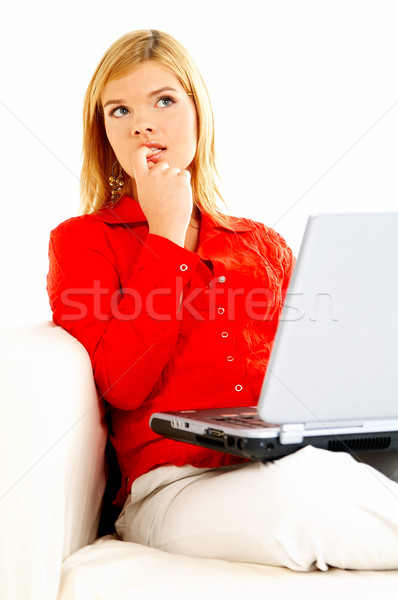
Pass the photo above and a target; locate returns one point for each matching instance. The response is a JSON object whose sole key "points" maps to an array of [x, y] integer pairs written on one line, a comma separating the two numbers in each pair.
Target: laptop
{"points": [[332, 377]]}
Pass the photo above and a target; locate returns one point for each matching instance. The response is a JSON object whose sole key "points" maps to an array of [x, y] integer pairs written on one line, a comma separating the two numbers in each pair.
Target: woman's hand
{"points": [[165, 196]]}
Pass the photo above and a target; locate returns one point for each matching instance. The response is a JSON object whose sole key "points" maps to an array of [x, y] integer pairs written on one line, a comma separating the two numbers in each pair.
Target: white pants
{"points": [[312, 509]]}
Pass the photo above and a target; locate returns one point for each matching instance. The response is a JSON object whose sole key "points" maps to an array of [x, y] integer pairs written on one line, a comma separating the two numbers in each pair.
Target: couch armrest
{"points": [[52, 441]]}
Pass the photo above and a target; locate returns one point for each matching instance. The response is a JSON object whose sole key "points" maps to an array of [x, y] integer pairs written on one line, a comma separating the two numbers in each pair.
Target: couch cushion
{"points": [[110, 569]]}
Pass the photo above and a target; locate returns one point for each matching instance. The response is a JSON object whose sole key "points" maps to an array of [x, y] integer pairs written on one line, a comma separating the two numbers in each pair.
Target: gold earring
{"points": [[116, 183]]}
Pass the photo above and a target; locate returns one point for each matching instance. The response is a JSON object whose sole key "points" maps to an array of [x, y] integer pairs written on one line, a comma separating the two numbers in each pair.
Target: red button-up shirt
{"points": [[167, 328]]}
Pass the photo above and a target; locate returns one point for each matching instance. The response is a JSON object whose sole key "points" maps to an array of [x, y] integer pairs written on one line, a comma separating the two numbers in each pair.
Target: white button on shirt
{"points": [[183, 267], [221, 279], [239, 388]]}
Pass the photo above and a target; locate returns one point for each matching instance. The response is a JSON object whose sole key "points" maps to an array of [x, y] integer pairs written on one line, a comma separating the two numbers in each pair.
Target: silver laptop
{"points": [[332, 378]]}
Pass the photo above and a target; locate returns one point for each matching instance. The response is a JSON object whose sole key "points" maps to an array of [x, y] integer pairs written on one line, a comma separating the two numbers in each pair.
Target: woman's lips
{"points": [[156, 151], [156, 157]]}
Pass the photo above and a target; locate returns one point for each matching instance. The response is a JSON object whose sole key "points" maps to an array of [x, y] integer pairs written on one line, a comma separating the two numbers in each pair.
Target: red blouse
{"points": [[167, 328]]}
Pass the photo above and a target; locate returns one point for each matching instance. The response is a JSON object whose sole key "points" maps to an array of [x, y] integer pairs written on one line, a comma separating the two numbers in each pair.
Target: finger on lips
{"points": [[140, 165]]}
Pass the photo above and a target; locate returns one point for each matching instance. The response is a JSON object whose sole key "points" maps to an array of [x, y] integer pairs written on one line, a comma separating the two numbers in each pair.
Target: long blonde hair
{"points": [[119, 60]]}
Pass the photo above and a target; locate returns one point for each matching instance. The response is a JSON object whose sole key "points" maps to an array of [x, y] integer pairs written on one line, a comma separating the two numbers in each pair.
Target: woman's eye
{"points": [[165, 101], [120, 111]]}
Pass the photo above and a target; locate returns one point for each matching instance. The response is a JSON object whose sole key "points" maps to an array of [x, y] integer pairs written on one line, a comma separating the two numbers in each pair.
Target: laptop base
{"points": [[270, 448]]}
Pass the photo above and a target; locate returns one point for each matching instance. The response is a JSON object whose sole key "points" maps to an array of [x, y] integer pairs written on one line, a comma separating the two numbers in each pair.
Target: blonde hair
{"points": [[119, 60]]}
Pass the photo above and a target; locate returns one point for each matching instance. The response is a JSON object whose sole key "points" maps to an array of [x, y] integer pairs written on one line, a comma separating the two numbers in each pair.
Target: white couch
{"points": [[52, 482]]}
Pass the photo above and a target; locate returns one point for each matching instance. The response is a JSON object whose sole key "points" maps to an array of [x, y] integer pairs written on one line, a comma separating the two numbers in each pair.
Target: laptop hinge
{"points": [[291, 433]]}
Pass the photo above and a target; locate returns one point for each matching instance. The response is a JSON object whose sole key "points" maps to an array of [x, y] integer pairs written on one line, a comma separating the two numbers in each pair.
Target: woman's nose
{"points": [[143, 125]]}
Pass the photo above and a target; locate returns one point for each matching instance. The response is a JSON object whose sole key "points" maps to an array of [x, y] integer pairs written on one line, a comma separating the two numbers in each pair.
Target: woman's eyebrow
{"points": [[120, 101], [163, 89], [154, 93]]}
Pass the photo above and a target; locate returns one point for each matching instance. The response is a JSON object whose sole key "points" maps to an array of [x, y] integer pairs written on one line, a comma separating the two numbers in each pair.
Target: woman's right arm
{"points": [[129, 336]]}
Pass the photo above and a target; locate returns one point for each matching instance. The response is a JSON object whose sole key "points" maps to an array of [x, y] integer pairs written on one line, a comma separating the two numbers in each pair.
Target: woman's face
{"points": [[150, 107]]}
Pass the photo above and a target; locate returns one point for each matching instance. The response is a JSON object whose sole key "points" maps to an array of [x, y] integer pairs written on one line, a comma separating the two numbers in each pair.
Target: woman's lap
{"points": [[312, 509]]}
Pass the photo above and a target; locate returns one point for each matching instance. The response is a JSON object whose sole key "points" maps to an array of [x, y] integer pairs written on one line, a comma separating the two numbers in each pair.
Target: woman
{"points": [[177, 305]]}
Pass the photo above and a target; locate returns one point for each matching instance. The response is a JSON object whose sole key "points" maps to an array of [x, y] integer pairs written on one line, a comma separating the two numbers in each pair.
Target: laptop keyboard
{"points": [[251, 420]]}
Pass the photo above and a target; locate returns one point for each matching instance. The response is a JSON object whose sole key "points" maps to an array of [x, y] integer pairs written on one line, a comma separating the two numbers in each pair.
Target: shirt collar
{"points": [[128, 211]]}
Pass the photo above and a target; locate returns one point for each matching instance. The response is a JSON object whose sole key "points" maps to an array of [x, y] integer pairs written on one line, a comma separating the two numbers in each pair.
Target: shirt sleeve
{"points": [[129, 333], [288, 261], [282, 255]]}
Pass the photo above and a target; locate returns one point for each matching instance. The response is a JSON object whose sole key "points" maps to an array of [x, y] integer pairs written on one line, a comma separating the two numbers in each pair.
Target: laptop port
{"points": [[217, 433]]}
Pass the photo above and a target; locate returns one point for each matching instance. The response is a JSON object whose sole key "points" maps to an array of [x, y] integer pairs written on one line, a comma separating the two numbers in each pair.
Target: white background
{"points": [[305, 96]]}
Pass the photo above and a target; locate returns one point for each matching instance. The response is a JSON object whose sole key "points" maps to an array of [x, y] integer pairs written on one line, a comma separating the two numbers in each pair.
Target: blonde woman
{"points": [[177, 305]]}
